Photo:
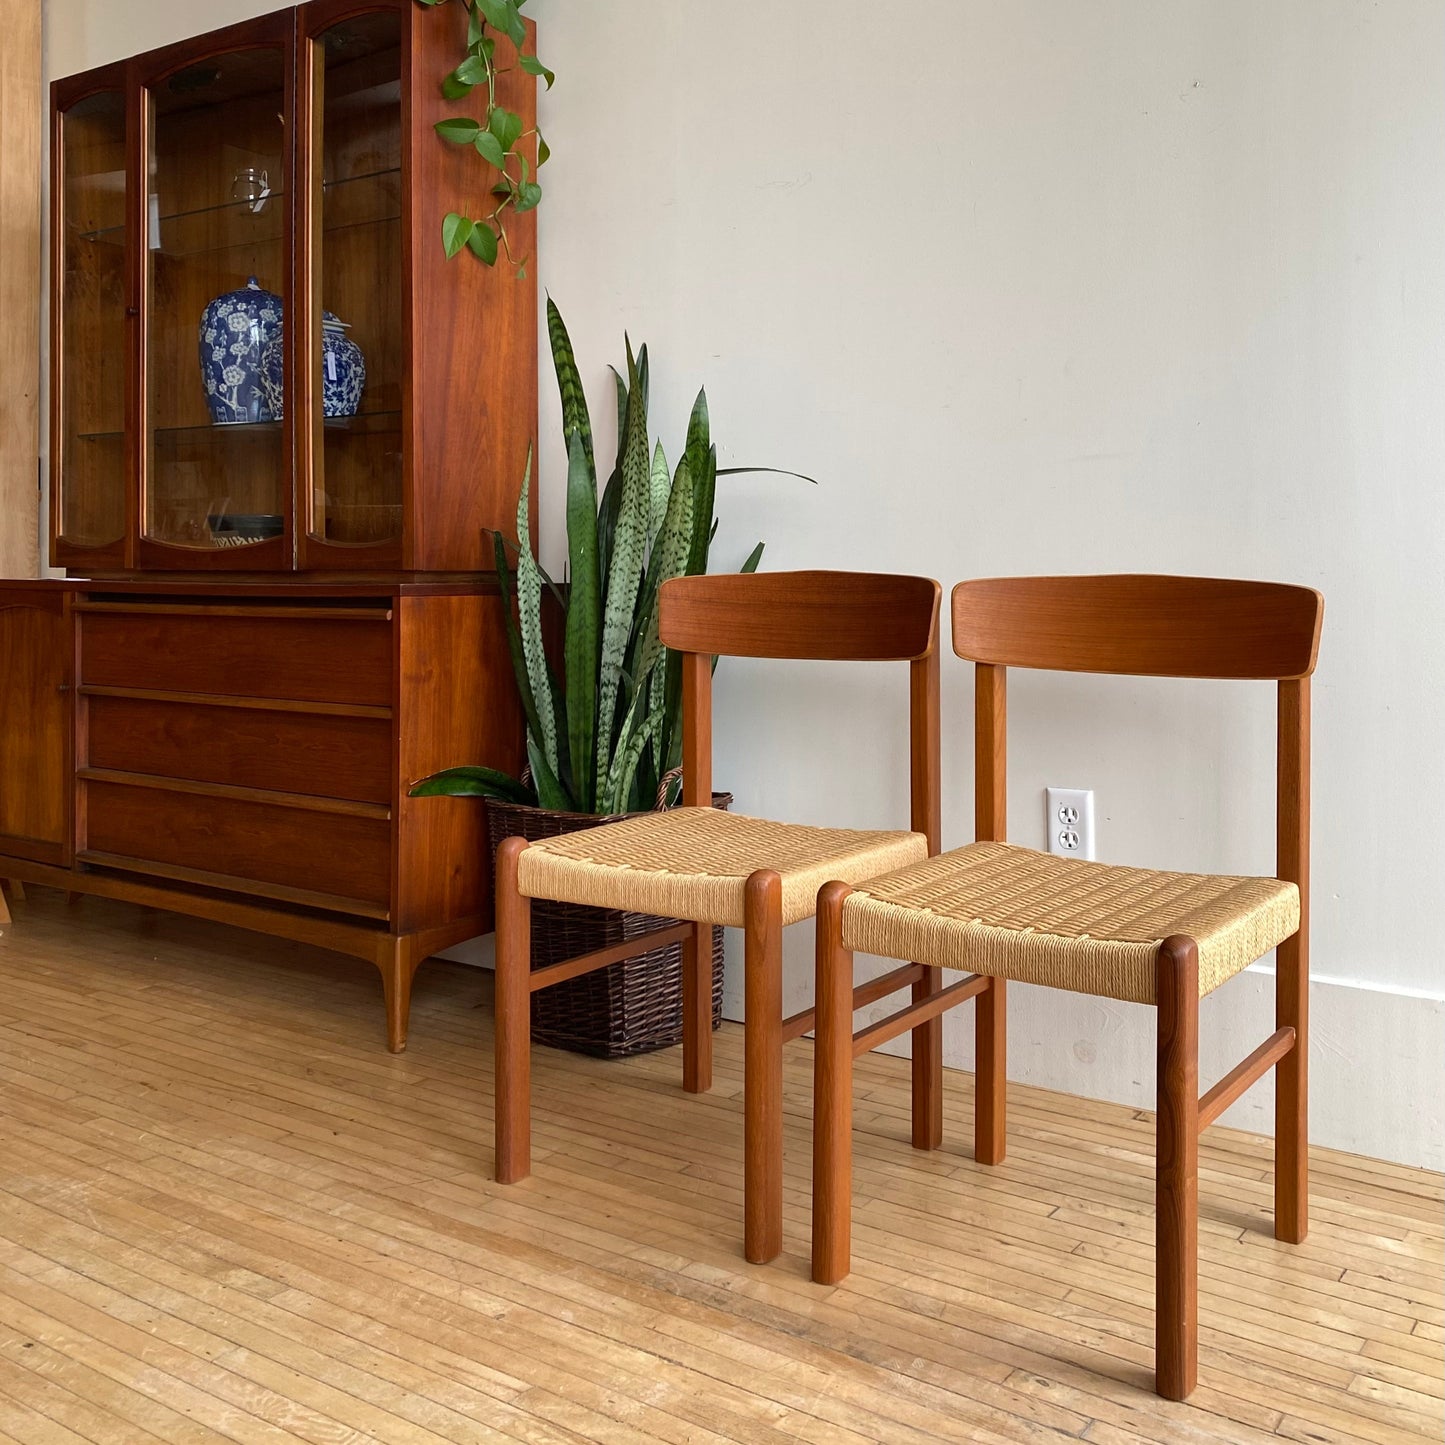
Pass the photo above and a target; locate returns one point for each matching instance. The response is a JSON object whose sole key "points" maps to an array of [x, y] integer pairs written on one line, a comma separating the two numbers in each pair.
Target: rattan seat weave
{"points": [[1014, 913], [694, 863]]}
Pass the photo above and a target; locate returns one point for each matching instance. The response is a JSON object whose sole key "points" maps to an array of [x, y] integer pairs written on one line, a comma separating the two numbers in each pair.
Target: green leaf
{"points": [[702, 463], [497, 12], [472, 782], [514, 638], [612, 492], [635, 733], [533, 66], [569, 388], [754, 557], [775, 471], [544, 151], [629, 542], [459, 129], [669, 560], [455, 232], [474, 25], [472, 71], [529, 193], [506, 125], [455, 89], [529, 607], [584, 615], [491, 150], [659, 489], [482, 243], [515, 29], [550, 793]]}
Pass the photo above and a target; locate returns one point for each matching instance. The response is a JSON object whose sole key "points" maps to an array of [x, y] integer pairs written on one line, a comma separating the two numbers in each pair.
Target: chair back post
{"points": [[1292, 962], [696, 730], [924, 744], [990, 752], [1292, 825]]}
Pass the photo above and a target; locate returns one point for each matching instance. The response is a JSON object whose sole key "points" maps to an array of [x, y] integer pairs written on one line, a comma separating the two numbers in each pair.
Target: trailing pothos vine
{"points": [[497, 136]]}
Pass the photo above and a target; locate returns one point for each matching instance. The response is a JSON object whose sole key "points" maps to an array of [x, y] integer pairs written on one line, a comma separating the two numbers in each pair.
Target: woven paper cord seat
{"points": [[694, 863], [1014, 913]]}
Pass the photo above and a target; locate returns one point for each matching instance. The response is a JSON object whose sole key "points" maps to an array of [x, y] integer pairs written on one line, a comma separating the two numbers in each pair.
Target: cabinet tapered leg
{"points": [[397, 959]]}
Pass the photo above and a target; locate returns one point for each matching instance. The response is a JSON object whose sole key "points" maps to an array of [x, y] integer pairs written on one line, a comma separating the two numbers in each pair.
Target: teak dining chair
{"points": [[710, 867], [1001, 912]]}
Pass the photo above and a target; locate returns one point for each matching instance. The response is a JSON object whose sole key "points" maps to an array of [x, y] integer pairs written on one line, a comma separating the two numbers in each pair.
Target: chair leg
{"points": [[697, 1010], [833, 1093], [927, 1066], [1176, 1221], [513, 1068], [4, 911], [990, 1079], [1291, 1094], [763, 1068]]}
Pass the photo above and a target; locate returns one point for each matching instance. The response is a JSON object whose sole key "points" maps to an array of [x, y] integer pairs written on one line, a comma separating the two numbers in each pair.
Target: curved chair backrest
{"points": [[1151, 626], [820, 615], [823, 616]]}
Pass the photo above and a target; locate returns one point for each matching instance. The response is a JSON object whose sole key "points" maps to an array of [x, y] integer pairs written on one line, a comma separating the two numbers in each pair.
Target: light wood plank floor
{"points": [[226, 1213]]}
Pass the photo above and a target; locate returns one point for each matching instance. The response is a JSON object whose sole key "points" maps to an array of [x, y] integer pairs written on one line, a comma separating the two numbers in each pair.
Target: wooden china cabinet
{"points": [[275, 617]]}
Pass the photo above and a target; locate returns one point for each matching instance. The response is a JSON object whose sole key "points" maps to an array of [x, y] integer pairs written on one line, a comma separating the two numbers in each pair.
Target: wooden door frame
{"points": [[20, 123]]}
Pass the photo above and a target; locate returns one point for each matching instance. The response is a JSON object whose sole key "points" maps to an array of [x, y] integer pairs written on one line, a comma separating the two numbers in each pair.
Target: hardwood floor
{"points": [[226, 1213]]}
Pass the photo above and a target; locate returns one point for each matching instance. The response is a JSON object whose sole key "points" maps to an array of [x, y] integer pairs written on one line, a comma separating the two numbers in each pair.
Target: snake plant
{"points": [[606, 736]]}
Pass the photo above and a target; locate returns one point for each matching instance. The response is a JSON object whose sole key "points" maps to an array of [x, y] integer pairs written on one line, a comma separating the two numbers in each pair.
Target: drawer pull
{"points": [[301, 801], [220, 699], [331, 902], [260, 613]]}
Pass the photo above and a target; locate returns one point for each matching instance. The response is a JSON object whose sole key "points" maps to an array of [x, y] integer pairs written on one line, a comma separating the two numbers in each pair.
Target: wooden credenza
{"points": [[242, 751]]}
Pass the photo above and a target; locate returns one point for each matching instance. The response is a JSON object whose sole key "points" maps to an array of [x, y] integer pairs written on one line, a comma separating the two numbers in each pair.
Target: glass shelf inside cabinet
{"points": [[364, 200], [366, 423]]}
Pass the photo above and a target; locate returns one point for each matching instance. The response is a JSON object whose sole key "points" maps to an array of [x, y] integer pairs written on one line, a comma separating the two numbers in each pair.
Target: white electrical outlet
{"points": [[1070, 822]]}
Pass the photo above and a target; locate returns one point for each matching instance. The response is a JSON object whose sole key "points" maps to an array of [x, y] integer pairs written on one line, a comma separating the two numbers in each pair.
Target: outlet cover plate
{"points": [[1069, 822]]}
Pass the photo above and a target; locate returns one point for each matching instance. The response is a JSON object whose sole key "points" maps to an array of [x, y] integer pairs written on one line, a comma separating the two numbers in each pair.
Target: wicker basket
{"points": [[631, 1007]]}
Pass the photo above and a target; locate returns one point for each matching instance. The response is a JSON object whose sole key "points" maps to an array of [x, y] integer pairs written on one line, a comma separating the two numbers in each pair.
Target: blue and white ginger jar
{"points": [[343, 370], [235, 330]]}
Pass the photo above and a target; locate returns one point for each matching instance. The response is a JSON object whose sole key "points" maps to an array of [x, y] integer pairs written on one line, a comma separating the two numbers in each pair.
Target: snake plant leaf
{"points": [[754, 557], [612, 492], [550, 793], [704, 465], [569, 387], [629, 542], [669, 560], [514, 638], [633, 736], [473, 782], [773, 471], [529, 607], [659, 489], [582, 644]]}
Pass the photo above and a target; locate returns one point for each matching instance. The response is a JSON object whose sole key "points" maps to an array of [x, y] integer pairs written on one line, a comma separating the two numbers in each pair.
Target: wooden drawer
{"points": [[326, 859], [337, 655], [321, 754]]}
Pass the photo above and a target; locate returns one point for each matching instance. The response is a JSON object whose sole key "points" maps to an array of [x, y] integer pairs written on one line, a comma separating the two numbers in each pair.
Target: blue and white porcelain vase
{"points": [[235, 330], [343, 370]]}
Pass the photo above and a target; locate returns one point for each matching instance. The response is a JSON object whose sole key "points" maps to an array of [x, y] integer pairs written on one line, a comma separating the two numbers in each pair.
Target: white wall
{"points": [[1034, 286]]}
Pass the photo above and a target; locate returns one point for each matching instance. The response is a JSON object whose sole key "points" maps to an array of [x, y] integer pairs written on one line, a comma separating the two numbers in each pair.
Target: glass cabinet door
{"points": [[217, 463], [88, 462], [356, 338]]}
